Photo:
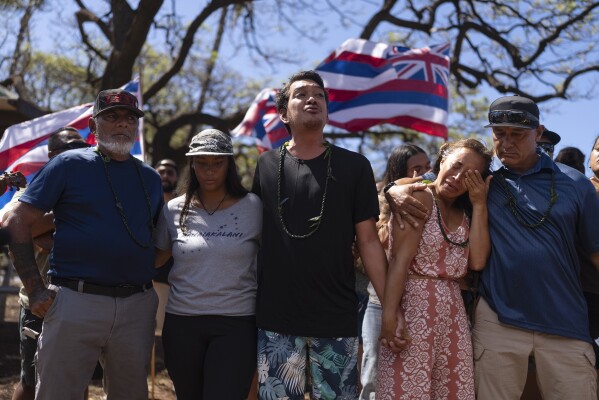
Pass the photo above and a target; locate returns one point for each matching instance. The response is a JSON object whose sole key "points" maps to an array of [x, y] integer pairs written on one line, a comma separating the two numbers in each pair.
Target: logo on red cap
{"points": [[118, 98]]}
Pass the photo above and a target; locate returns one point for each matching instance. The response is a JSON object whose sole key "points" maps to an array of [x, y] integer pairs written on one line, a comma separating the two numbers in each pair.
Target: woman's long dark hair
{"points": [[397, 165], [233, 187], [590, 157], [397, 168], [572, 157]]}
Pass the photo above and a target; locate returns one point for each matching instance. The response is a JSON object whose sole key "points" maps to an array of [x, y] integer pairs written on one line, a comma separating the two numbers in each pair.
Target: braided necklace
{"points": [[513, 204], [315, 221], [217, 207], [440, 222], [105, 160]]}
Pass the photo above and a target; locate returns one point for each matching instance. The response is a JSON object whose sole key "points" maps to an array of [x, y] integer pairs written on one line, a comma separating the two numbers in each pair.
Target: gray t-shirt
{"points": [[214, 270]]}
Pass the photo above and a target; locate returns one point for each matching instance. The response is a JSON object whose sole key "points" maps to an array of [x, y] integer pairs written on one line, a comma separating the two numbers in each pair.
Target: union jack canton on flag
{"points": [[374, 83]]}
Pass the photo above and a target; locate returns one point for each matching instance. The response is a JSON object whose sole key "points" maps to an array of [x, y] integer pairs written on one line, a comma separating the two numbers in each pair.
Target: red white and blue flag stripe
{"points": [[374, 83], [369, 84], [262, 122], [24, 147]]}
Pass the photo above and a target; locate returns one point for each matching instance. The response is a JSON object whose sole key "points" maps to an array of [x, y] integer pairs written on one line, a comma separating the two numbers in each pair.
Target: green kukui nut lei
{"points": [[314, 223], [513, 204]]}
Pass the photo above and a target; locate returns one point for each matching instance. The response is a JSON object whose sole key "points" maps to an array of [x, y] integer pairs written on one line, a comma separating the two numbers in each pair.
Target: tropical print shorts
{"points": [[282, 363]]}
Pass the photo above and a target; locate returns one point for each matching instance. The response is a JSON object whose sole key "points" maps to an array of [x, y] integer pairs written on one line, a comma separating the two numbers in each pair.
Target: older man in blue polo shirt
{"points": [[100, 304], [532, 301]]}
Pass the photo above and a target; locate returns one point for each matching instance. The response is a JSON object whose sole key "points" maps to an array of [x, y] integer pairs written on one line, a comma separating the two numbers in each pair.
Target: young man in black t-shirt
{"points": [[317, 199]]}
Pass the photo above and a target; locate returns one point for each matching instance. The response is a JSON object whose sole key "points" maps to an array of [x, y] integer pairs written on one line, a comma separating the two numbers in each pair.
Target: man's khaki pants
{"points": [[565, 366]]}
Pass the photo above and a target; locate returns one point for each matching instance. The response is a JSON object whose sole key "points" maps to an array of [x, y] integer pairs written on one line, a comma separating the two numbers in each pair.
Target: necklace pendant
{"points": [[217, 207]]}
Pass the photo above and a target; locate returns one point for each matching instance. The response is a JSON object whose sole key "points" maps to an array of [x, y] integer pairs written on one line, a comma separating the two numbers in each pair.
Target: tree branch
{"points": [[84, 16], [187, 43], [119, 67]]}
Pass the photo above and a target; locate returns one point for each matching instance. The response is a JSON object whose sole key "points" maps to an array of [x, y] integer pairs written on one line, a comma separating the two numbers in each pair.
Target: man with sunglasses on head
{"points": [[547, 141], [531, 300], [100, 304]]}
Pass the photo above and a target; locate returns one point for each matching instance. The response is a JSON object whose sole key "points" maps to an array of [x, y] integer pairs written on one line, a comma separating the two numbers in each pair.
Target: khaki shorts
{"points": [[564, 366]]}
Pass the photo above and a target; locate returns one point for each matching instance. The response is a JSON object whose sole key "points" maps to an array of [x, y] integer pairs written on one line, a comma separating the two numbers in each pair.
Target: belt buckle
{"points": [[123, 290]]}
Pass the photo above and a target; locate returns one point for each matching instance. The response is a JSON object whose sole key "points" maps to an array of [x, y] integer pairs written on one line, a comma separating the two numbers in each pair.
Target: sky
{"points": [[569, 118]]}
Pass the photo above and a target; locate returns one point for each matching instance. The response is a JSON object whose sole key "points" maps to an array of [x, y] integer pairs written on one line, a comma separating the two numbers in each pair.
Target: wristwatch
{"points": [[388, 186]]}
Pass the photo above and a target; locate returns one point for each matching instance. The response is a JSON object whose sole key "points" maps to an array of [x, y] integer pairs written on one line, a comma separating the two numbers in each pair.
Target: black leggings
{"points": [[210, 357]]}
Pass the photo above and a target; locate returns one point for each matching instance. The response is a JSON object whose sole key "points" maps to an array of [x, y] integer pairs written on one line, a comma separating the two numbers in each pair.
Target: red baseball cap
{"points": [[116, 98]]}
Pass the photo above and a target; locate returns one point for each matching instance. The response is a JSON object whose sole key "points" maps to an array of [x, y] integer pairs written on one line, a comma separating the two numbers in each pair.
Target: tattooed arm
{"points": [[19, 223]]}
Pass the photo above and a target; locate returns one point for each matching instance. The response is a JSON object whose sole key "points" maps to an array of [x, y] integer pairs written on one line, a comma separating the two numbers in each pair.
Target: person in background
{"points": [[588, 274], [100, 303], [406, 161], [12, 180], [432, 355], [169, 176], [318, 198], [418, 166], [213, 234], [61, 140], [594, 164], [547, 141], [572, 157]]}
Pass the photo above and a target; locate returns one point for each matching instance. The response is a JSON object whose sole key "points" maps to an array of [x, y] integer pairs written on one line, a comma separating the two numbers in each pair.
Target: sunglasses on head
{"points": [[513, 117], [547, 147]]}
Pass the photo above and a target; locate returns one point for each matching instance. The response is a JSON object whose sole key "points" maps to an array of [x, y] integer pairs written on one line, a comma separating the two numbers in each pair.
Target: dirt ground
{"points": [[10, 360]]}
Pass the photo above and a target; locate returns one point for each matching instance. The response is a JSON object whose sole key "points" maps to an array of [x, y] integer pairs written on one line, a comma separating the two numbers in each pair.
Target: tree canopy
{"points": [[539, 49]]}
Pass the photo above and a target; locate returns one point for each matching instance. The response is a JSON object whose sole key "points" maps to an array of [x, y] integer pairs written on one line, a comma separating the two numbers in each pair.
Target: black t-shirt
{"points": [[306, 286]]}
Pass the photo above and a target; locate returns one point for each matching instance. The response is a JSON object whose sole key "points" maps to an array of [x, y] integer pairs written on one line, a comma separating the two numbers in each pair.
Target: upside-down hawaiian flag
{"points": [[374, 83], [369, 84], [24, 147], [262, 122]]}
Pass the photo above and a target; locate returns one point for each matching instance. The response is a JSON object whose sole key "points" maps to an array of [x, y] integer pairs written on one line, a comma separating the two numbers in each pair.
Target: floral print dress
{"points": [[438, 363]]}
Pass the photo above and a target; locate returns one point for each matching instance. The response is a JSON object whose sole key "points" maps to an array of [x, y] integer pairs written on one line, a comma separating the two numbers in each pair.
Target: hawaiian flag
{"points": [[262, 122], [24, 147], [374, 83], [369, 84]]}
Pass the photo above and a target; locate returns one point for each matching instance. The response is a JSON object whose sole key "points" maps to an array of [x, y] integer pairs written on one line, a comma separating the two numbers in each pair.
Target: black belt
{"points": [[90, 288]]}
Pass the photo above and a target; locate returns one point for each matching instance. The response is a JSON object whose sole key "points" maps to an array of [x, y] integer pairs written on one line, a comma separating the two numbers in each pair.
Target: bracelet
{"points": [[388, 186]]}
